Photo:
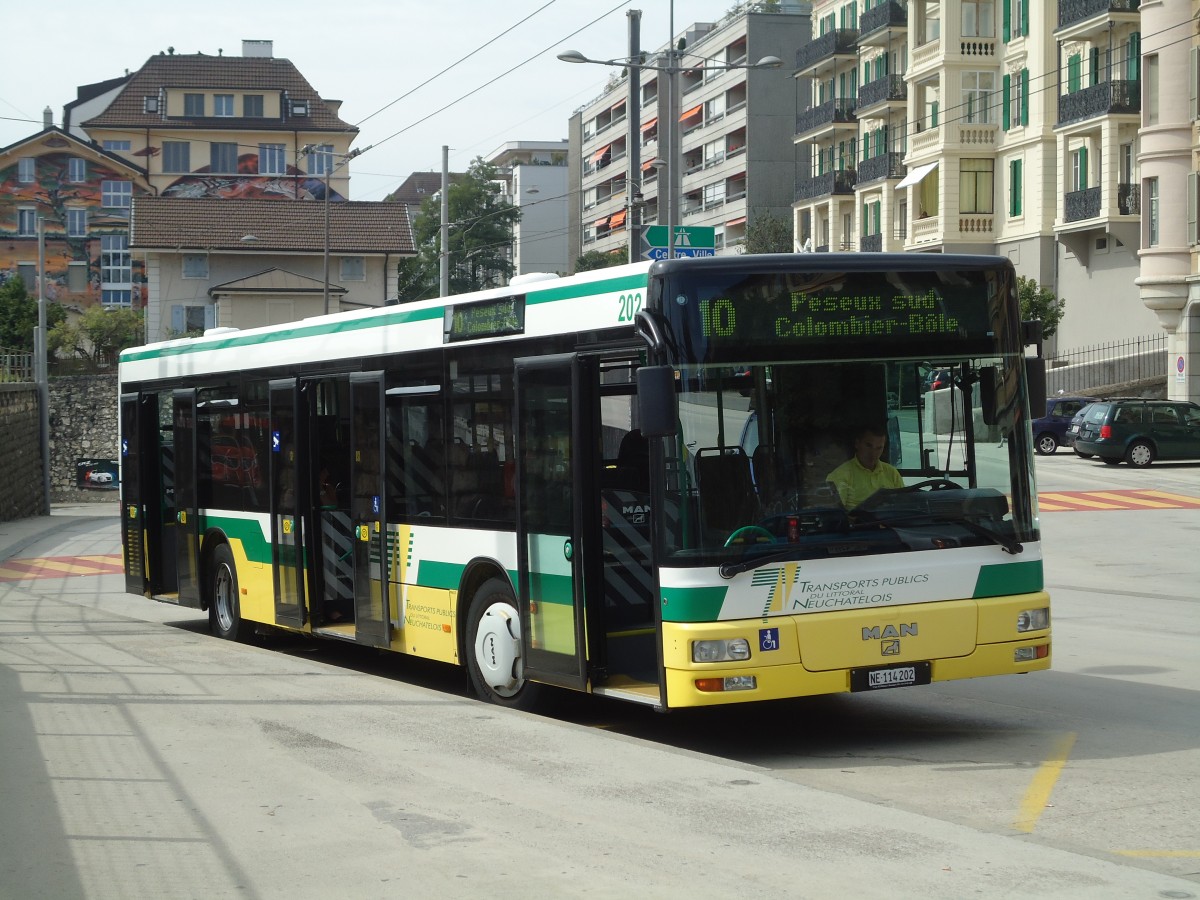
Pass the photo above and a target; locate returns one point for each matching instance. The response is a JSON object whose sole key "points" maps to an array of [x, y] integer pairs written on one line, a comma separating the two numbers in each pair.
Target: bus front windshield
{"points": [[824, 458]]}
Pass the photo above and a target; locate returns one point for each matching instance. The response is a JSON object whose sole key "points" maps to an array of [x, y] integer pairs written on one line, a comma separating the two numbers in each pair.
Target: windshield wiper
{"points": [[729, 569]]}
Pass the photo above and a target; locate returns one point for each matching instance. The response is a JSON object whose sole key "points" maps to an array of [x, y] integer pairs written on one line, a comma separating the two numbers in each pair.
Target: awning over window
{"points": [[600, 223], [740, 220], [915, 175], [648, 164], [694, 111], [617, 219], [651, 124], [600, 153]]}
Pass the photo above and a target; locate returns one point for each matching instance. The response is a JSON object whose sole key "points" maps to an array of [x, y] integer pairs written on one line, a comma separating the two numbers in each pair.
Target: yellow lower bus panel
{"points": [[807, 655]]}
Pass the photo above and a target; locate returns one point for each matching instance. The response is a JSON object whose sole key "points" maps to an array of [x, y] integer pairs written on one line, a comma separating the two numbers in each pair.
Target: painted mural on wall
{"points": [[248, 184], [52, 195]]}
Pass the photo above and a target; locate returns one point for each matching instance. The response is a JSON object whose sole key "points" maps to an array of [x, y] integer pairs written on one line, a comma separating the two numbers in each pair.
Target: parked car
{"points": [[1140, 431], [937, 379], [1050, 431], [1073, 431]]}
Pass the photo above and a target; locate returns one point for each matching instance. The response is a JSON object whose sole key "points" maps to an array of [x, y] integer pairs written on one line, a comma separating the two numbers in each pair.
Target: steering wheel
{"points": [[756, 530]]}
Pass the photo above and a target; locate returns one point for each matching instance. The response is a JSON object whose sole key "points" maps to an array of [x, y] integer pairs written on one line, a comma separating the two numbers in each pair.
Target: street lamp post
{"points": [[668, 163]]}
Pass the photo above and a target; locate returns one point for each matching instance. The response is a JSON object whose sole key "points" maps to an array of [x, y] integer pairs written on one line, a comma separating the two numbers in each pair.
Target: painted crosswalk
{"points": [[1081, 501], [60, 567]]}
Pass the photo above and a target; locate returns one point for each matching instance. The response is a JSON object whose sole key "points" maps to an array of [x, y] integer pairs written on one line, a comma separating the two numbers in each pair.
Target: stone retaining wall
{"points": [[20, 448]]}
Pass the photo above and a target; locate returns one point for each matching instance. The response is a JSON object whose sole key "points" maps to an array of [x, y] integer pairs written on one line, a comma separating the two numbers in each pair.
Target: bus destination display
{"points": [[492, 318], [783, 309]]}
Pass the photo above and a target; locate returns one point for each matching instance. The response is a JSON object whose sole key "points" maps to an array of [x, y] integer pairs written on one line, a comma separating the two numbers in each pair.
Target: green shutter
{"points": [[1007, 32], [1133, 61], [1073, 72], [1094, 66], [1014, 188], [1083, 172], [1024, 96], [933, 111], [1006, 98], [1025, 17]]}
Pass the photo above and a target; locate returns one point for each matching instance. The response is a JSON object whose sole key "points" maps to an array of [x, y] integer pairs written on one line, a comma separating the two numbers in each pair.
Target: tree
{"points": [[99, 335], [596, 259], [1039, 302], [19, 315], [479, 240], [767, 233]]}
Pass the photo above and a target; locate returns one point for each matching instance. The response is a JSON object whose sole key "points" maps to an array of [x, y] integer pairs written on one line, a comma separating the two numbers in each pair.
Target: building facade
{"points": [[735, 160], [534, 174], [983, 126]]}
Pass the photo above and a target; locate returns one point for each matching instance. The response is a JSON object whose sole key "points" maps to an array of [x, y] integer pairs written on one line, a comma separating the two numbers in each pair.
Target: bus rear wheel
{"points": [[494, 657], [224, 608]]}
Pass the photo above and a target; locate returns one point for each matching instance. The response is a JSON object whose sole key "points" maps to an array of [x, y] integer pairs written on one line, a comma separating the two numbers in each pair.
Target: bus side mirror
{"points": [[1035, 377], [658, 416]]}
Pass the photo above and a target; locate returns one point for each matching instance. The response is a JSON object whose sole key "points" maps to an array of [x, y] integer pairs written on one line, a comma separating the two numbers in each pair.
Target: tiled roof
{"points": [[211, 73], [355, 226], [419, 187]]}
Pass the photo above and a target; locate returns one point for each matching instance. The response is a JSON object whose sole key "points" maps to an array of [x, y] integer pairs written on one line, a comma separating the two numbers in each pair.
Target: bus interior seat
{"points": [[727, 499]]}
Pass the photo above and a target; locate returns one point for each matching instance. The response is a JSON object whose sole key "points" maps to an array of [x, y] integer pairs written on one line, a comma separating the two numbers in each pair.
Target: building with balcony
{"points": [[534, 174], [983, 126], [736, 158]]}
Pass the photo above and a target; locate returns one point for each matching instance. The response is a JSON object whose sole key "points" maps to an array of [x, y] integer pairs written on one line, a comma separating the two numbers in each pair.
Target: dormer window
{"points": [[299, 107], [150, 104]]}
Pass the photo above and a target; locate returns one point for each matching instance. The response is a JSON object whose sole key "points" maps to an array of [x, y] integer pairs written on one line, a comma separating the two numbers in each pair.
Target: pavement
{"points": [[17, 534]]}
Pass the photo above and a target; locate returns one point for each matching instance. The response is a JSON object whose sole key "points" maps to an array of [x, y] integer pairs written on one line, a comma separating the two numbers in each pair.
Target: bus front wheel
{"points": [[494, 655], [224, 608]]}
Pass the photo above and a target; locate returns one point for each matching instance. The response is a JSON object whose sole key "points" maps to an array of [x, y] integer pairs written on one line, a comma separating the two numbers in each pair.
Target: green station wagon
{"points": [[1140, 431]]}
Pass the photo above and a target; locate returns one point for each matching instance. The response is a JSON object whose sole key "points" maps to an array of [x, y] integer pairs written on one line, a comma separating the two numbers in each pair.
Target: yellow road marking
{"points": [[1033, 804], [1160, 854], [1178, 498], [1080, 501], [1050, 507], [1129, 498]]}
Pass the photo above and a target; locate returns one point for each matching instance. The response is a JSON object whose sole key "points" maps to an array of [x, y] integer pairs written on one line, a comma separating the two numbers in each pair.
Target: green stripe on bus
{"points": [[444, 575], [572, 292], [1009, 578], [249, 531], [700, 604], [399, 317]]}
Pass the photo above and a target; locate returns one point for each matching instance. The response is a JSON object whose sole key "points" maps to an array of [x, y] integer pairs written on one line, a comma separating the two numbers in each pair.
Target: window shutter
{"points": [[1073, 68], [1024, 96], [933, 114], [1025, 17], [178, 323], [210, 317], [1133, 57], [1007, 32], [1083, 172], [1193, 79], [1094, 66], [1006, 99], [1193, 184]]}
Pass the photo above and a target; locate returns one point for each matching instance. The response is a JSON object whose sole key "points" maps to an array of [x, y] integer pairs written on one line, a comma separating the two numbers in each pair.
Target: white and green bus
{"points": [[616, 482]]}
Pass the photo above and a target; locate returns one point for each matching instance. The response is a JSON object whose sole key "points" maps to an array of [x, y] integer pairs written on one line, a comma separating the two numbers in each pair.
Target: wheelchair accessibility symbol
{"points": [[768, 639]]}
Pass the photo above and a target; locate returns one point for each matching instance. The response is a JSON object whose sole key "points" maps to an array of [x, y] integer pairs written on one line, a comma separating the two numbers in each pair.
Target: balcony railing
{"points": [[828, 113], [1071, 12], [840, 40], [1119, 97], [885, 165], [840, 181], [871, 243], [886, 15], [1080, 205], [1129, 199], [889, 87]]}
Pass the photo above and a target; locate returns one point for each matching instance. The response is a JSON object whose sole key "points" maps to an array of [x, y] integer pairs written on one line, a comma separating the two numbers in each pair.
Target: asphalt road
{"points": [[141, 757]]}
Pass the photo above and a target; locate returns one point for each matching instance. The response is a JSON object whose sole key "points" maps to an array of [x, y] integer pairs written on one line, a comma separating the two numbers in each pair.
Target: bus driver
{"points": [[864, 473]]}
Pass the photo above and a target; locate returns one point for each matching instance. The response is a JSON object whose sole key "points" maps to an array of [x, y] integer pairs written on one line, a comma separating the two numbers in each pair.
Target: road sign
{"points": [[696, 240]]}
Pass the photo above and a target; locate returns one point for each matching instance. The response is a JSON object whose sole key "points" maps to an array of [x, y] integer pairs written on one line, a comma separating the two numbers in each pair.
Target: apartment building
{"points": [[534, 175], [982, 126], [735, 157]]}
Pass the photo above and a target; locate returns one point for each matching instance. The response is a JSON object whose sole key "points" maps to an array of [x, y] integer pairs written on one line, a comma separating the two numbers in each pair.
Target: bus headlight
{"points": [[720, 651], [1033, 619]]}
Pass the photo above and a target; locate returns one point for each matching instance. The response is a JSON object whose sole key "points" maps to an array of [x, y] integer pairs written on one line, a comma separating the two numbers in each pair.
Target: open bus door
{"points": [[368, 519], [554, 411], [187, 505], [133, 518], [288, 529]]}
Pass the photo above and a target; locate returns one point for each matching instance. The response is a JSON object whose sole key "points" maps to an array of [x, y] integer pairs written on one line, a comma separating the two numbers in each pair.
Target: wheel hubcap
{"points": [[498, 649], [222, 599]]}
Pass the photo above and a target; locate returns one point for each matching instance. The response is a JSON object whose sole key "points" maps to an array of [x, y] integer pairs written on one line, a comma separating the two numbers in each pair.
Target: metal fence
{"points": [[1102, 365], [16, 365]]}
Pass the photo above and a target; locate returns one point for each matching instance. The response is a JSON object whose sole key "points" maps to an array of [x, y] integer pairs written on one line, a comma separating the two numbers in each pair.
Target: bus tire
{"points": [[494, 658], [224, 608]]}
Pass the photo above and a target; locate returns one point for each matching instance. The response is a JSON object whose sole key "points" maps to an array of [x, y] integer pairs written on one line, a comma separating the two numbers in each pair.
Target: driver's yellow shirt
{"points": [[855, 483]]}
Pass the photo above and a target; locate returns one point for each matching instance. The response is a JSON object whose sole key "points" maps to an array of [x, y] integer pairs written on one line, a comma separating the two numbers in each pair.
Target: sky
{"points": [[368, 54]]}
